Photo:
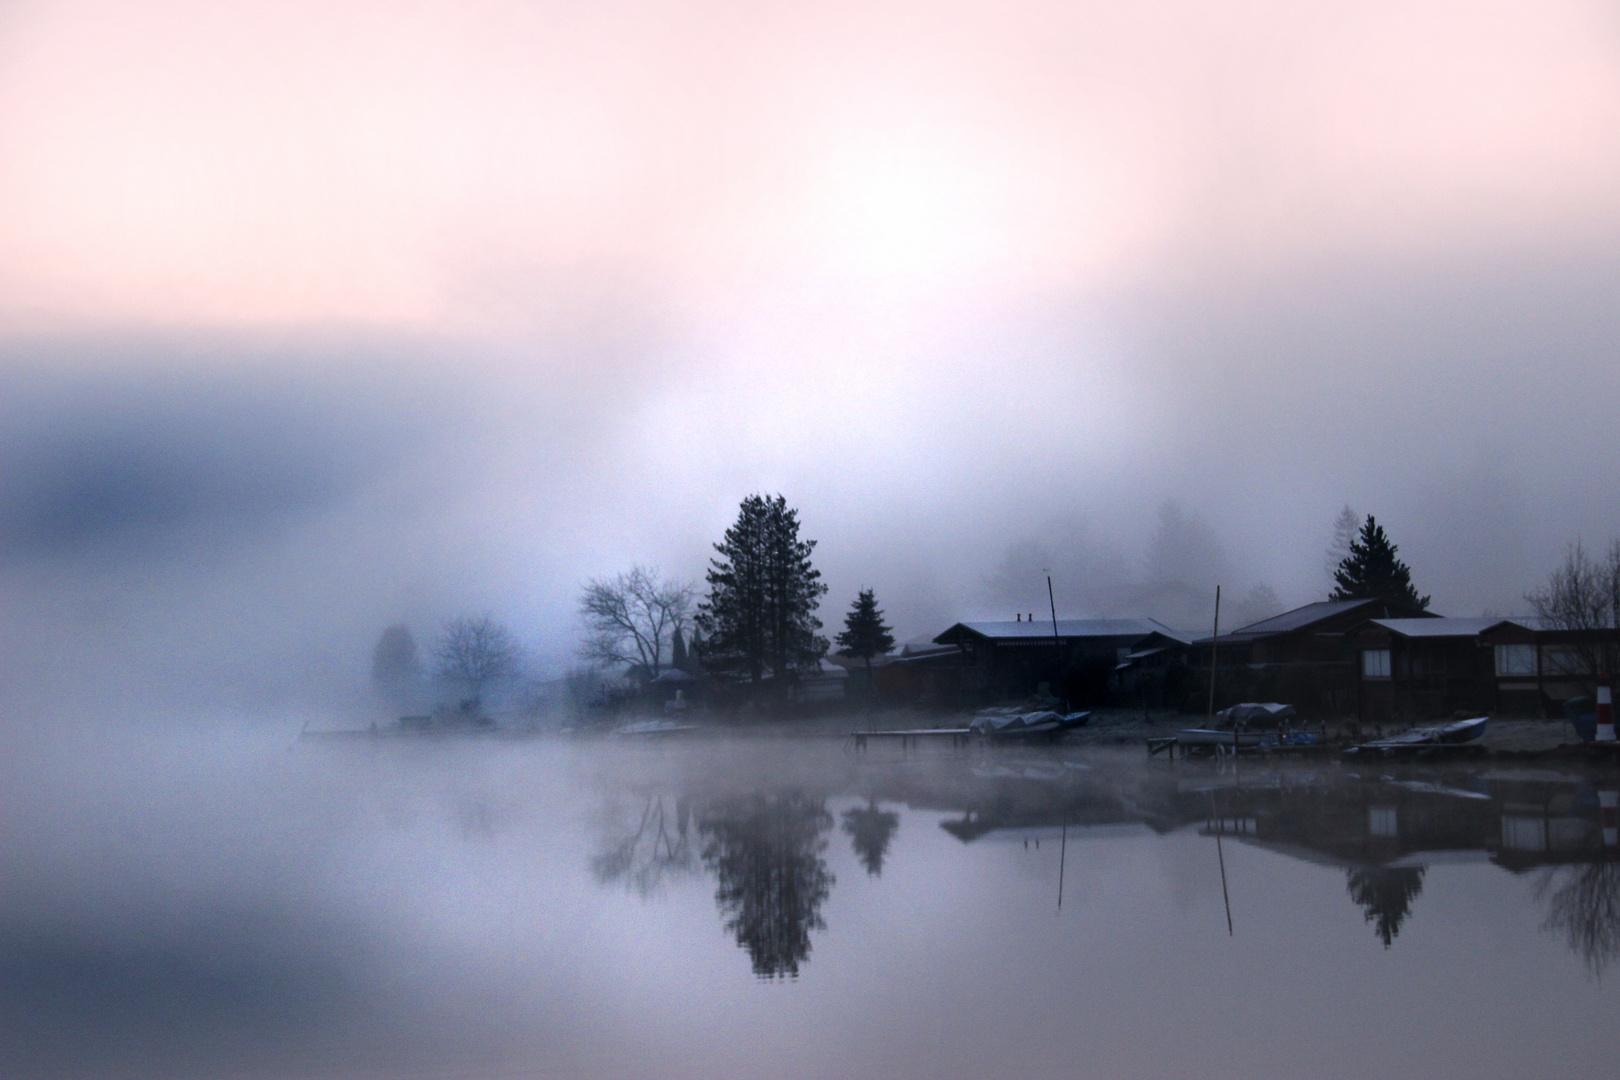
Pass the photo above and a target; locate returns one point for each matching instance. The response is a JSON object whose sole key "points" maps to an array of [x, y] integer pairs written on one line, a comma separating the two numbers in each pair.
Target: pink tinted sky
{"points": [[459, 165]]}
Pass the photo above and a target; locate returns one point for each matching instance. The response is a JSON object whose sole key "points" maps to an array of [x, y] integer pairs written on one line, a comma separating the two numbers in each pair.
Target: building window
{"points": [[1383, 820], [1375, 663], [1520, 832], [1563, 660], [1515, 660]]}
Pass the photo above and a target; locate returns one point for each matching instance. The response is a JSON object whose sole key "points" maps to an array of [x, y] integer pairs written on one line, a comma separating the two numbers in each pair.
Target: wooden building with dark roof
{"points": [[1302, 657], [1078, 659]]}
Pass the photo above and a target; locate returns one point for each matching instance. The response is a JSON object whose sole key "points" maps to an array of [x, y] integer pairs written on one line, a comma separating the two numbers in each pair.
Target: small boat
{"points": [[650, 729], [1212, 737], [1456, 733]]}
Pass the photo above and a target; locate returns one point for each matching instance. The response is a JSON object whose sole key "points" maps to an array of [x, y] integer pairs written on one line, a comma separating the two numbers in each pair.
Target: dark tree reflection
{"points": [[870, 830], [1386, 896], [765, 851], [1586, 910], [657, 846]]}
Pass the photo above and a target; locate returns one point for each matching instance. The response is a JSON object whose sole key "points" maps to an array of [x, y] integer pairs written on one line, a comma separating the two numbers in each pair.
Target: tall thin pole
{"points": [[1213, 641], [1057, 642]]}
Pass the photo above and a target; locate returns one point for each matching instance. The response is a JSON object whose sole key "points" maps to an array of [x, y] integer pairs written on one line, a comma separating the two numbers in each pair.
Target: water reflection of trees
{"points": [[1385, 895], [658, 846], [765, 852], [870, 829], [1586, 911]]}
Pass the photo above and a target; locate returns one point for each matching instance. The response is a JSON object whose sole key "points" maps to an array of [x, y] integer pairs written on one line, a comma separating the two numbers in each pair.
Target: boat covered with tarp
{"points": [[1256, 714], [1005, 724]]}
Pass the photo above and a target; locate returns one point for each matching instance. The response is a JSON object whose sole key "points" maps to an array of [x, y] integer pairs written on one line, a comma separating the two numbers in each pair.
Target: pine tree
{"points": [[396, 672], [677, 650], [763, 593], [1345, 527], [1372, 572], [864, 634]]}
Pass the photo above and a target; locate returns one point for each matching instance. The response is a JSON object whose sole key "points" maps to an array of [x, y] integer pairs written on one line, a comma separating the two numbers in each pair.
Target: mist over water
{"points": [[179, 906]]}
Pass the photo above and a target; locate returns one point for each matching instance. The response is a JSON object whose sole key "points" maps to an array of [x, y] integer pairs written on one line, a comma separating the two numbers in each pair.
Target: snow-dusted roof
{"points": [[1305, 616], [1066, 628], [1438, 628]]}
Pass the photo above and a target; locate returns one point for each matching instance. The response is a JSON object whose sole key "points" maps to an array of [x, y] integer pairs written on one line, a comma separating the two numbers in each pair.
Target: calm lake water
{"points": [[187, 907]]}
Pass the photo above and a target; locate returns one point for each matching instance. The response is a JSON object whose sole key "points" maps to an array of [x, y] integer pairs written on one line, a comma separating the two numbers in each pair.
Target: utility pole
{"points": [[1057, 642]]}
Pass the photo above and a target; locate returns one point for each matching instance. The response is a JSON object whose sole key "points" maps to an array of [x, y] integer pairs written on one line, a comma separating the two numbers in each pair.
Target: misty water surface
{"points": [[250, 906]]}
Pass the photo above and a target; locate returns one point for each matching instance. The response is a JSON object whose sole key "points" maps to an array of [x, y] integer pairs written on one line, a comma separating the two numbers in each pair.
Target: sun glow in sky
{"points": [[175, 162]]}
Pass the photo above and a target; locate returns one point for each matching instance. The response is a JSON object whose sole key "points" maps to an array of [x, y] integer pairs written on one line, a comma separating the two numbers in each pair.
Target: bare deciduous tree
{"points": [[658, 849], [1261, 603], [631, 619], [475, 652], [1583, 593]]}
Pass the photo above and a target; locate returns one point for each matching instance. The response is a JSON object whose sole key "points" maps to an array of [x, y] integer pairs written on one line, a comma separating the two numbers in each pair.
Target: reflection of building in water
{"points": [[1382, 830], [765, 852]]}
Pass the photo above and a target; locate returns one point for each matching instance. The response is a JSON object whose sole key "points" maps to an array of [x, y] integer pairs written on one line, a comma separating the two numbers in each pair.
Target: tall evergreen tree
{"points": [[1345, 527], [763, 592], [677, 650], [1372, 572], [396, 671], [864, 634]]}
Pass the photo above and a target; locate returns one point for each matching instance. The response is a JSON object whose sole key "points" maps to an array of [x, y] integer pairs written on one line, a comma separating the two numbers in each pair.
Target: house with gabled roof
{"points": [[1538, 666], [1078, 659], [1420, 669], [1302, 657]]}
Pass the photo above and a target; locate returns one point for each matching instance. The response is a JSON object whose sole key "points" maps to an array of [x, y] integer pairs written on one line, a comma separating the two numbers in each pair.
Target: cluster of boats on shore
{"points": [[1458, 733]]}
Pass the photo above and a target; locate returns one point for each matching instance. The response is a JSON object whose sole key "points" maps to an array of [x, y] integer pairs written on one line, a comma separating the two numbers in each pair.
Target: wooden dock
{"points": [[911, 737], [1178, 748]]}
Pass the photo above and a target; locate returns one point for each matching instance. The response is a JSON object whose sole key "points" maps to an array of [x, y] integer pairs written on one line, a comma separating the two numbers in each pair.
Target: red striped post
{"points": [[1605, 711], [1609, 816]]}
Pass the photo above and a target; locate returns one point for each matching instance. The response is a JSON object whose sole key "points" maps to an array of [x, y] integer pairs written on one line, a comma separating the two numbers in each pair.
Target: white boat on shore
{"points": [[1427, 739]]}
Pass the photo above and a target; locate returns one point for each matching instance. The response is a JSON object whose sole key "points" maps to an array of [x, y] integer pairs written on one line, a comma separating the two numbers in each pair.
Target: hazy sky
{"points": [[318, 316]]}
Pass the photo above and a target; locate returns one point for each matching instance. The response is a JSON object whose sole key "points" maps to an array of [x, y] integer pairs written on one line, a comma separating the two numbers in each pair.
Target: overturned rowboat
{"points": [[1456, 734]]}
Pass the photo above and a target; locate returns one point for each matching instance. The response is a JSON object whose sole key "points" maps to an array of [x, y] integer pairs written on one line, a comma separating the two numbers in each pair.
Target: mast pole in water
{"points": [[1225, 896], [1220, 827], [1063, 857]]}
